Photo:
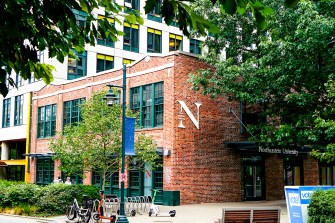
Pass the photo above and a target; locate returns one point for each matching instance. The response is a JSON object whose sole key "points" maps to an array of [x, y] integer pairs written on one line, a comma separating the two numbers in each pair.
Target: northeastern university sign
{"points": [[278, 151]]}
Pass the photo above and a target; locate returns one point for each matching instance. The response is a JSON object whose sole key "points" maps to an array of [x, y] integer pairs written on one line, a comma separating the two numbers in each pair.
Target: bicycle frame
{"points": [[75, 211]]}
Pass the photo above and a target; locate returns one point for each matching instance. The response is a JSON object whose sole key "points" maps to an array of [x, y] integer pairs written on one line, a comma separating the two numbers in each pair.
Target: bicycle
{"points": [[99, 216], [83, 213]]}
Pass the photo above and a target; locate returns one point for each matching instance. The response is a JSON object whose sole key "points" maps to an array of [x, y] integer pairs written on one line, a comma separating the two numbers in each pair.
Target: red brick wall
{"points": [[200, 166]]}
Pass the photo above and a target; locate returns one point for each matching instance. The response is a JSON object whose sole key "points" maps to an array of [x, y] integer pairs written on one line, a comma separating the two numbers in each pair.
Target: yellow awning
{"points": [[13, 162]]}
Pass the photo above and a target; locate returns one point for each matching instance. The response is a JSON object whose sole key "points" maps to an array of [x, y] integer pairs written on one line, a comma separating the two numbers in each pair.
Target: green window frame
{"points": [[77, 67], [148, 100], [6, 113], [44, 171], [46, 126], [175, 42], [81, 17], [18, 110], [108, 41], [104, 62], [156, 15], [195, 46], [154, 41], [71, 111], [131, 37], [158, 180], [131, 5], [111, 184]]}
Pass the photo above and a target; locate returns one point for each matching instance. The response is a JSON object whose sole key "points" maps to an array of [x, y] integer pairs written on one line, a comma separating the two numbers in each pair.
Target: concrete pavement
{"points": [[194, 213], [198, 213]]}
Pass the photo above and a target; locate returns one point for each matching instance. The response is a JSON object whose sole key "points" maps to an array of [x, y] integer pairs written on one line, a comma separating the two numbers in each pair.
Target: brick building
{"points": [[205, 155]]}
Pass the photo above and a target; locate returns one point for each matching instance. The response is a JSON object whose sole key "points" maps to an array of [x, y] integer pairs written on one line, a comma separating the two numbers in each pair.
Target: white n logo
{"points": [[189, 113]]}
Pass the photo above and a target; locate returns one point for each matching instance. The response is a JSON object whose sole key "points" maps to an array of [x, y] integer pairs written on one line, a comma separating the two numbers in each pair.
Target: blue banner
{"points": [[129, 136]]}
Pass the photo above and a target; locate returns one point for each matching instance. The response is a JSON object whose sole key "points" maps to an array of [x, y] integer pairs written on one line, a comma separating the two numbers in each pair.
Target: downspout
{"points": [[26, 163]]}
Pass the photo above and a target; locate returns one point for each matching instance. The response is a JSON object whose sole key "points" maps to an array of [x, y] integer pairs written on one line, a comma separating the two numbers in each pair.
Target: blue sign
{"points": [[297, 200], [129, 136]]}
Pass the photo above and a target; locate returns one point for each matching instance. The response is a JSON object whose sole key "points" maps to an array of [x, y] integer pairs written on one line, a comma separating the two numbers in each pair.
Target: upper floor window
{"points": [[131, 38], [154, 40], [104, 62], [155, 15], [18, 80], [6, 113], [175, 22], [195, 46], [132, 5], [46, 121], [127, 61], [80, 17], [71, 111], [108, 41], [18, 115], [148, 100], [76, 67], [175, 42], [32, 79]]}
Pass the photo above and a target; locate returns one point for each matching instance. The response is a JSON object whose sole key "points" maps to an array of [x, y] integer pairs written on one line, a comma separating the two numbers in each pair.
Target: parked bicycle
{"points": [[83, 213], [100, 215]]}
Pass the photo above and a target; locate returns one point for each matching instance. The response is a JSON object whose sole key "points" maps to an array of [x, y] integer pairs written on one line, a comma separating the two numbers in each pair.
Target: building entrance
{"points": [[253, 178]]}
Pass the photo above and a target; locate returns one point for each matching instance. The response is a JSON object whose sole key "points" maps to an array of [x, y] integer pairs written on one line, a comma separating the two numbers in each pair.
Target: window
{"points": [[195, 46], [127, 61], [6, 113], [148, 100], [155, 15], [108, 41], [104, 62], [111, 184], [46, 121], [327, 173], [18, 80], [71, 111], [76, 66], [130, 38], [32, 79], [18, 110], [175, 22], [131, 5], [154, 40], [80, 17], [44, 171], [175, 42]]}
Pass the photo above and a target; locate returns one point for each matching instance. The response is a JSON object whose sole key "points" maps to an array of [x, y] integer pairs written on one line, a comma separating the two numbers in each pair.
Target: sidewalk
{"points": [[196, 213]]}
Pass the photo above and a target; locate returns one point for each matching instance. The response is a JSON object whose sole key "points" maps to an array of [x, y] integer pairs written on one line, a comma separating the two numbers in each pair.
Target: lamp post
{"points": [[110, 99]]}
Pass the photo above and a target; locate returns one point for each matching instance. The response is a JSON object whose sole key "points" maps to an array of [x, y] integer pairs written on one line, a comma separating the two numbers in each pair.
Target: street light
{"points": [[110, 99]]}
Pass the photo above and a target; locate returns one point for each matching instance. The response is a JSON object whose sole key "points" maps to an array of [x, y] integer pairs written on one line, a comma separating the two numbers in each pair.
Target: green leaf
{"points": [[228, 6], [291, 3]]}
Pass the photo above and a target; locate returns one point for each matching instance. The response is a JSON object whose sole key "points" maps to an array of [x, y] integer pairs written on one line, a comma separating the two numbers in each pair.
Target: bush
{"points": [[44, 200], [55, 197], [322, 207]]}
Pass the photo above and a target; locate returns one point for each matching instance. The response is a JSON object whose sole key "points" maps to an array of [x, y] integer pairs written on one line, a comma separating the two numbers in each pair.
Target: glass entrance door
{"points": [[253, 180]]}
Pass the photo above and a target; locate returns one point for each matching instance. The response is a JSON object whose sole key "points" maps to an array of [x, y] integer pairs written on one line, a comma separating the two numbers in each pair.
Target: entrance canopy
{"points": [[253, 147]]}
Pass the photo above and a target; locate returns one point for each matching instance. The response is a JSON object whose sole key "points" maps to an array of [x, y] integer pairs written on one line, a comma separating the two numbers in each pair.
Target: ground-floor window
{"points": [[112, 182], [75, 178], [15, 173], [327, 173], [293, 171], [157, 178], [44, 171]]}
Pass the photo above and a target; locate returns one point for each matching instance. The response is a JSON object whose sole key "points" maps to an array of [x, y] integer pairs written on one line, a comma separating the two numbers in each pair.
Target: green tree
{"points": [[32, 26], [283, 70], [95, 142]]}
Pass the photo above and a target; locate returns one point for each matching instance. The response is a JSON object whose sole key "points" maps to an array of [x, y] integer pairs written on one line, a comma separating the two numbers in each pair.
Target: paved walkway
{"points": [[197, 213]]}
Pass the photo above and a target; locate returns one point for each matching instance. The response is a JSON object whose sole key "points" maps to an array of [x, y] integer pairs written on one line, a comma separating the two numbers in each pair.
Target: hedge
{"points": [[49, 200], [322, 207]]}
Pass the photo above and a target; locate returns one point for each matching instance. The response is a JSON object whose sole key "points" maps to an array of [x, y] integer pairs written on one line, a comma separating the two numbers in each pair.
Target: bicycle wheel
{"points": [[87, 217], [70, 213]]}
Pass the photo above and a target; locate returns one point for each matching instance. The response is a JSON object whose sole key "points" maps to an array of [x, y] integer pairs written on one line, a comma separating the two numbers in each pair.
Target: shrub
{"points": [[55, 197], [322, 207], [31, 199]]}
